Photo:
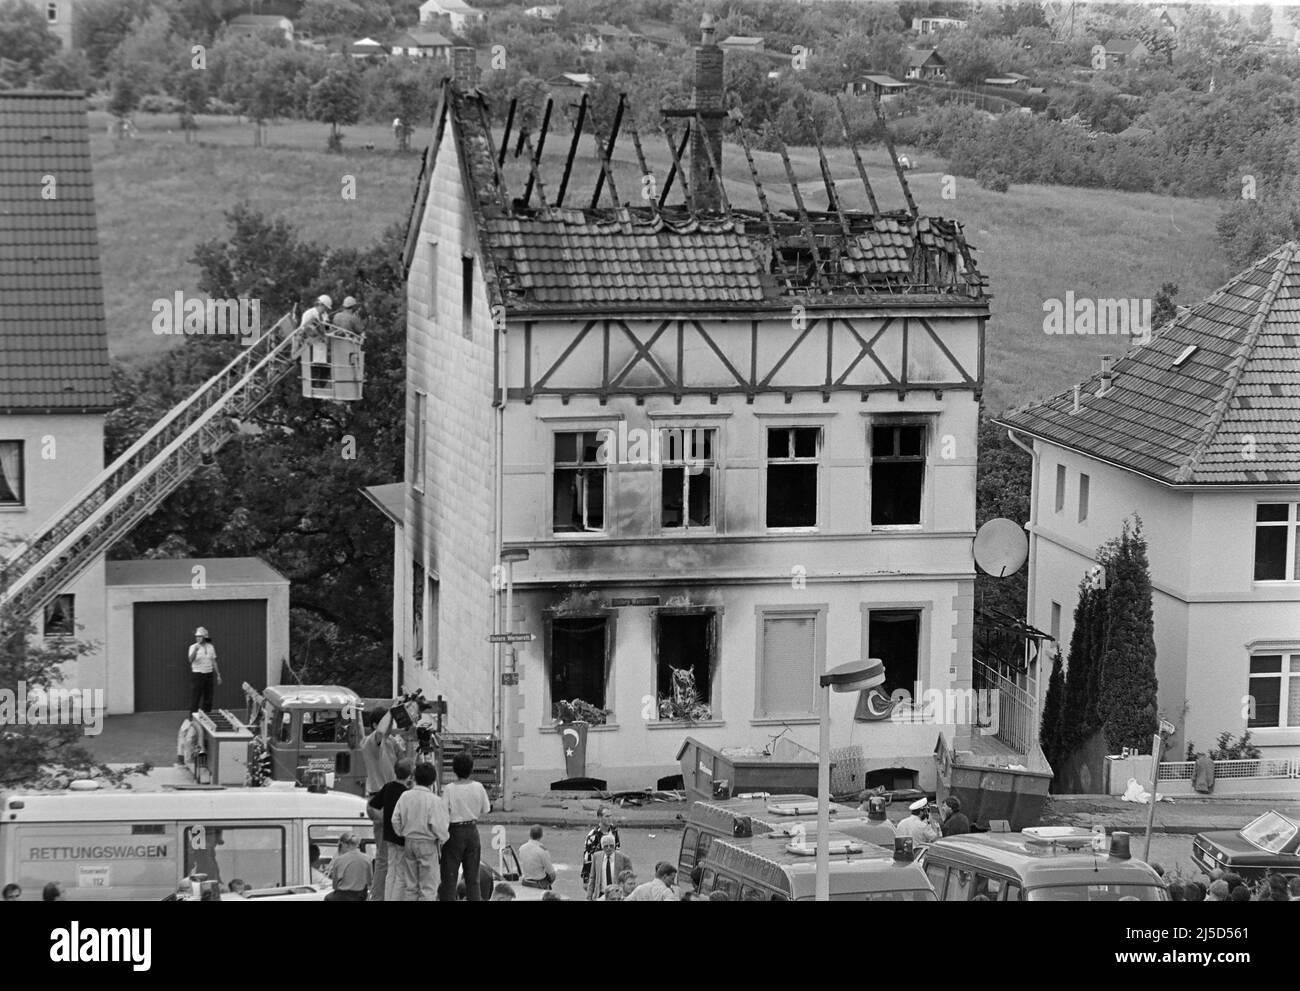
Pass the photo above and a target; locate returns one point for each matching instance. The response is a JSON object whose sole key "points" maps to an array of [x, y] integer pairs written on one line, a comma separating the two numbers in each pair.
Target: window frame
{"points": [[715, 666], [468, 278], [227, 826], [817, 612], [1290, 528], [885, 421], [712, 463], [549, 616], [865, 609], [1288, 669], [434, 284], [71, 632], [51, 13], [1058, 498], [579, 465], [1085, 493], [21, 501], [818, 461], [419, 442]]}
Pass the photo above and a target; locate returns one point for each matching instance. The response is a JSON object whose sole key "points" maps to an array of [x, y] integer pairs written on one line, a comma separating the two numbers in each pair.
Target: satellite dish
{"points": [[1001, 548]]}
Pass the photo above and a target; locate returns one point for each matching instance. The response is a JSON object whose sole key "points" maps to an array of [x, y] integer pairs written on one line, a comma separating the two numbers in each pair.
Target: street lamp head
{"points": [[514, 555], [855, 676]]}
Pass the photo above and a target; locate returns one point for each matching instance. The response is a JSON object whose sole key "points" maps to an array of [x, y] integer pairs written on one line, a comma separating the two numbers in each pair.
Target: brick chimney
{"points": [[464, 68], [708, 98]]}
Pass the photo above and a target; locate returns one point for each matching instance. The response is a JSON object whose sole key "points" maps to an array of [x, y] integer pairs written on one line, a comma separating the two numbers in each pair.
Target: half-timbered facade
{"points": [[681, 438]]}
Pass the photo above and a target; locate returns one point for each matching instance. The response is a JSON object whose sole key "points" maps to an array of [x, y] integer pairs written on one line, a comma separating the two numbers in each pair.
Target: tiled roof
{"points": [[920, 57], [576, 259], [637, 257], [53, 341], [1227, 414]]}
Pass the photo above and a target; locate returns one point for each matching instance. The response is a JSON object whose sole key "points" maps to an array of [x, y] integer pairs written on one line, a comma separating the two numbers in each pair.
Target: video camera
{"points": [[406, 711]]}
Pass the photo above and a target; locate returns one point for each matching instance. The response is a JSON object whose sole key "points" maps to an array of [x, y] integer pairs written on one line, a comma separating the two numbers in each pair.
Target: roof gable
{"points": [[53, 338], [1227, 413]]}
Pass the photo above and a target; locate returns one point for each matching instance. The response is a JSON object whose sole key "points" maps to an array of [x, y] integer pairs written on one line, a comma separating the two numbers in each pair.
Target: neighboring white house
{"points": [[366, 48], [256, 23], [1198, 432], [461, 14], [545, 13]]}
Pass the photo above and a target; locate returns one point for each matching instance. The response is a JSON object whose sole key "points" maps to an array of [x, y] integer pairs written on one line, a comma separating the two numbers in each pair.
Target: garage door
{"points": [[163, 634]]}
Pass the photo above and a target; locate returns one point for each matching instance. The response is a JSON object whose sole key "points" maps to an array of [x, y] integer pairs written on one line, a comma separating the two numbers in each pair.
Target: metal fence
{"points": [[1260, 767], [1015, 706]]}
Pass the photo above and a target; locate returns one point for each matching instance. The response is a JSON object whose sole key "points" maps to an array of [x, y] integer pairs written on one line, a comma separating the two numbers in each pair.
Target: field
{"points": [[159, 197]]}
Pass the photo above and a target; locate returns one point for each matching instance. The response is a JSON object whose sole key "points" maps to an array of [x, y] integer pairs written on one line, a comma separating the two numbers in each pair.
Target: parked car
{"points": [[1270, 843]]}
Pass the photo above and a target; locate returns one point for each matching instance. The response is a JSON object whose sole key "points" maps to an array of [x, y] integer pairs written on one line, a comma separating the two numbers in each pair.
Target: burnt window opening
{"points": [[687, 478], [417, 612], [579, 654], [579, 486], [897, 474], [467, 295], [894, 636], [685, 642], [793, 456], [11, 473], [61, 616], [1277, 542]]}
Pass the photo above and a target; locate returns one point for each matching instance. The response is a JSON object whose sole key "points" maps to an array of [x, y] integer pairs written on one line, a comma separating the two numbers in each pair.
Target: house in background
{"points": [[741, 43], [926, 63], [257, 23], [421, 44], [460, 14], [55, 390], [366, 48], [612, 416], [1125, 51], [882, 87], [929, 25], [1198, 432], [59, 17], [544, 13], [595, 39]]}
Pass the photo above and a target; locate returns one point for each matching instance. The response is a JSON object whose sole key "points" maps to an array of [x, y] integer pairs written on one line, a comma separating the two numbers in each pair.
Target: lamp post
{"points": [[855, 676], [508, 558]]}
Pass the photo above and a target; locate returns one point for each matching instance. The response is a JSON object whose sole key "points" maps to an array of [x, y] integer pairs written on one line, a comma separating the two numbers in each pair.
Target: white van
{"points": [[132, 845]]}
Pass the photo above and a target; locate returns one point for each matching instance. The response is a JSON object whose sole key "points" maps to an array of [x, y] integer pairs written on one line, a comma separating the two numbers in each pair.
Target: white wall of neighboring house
{"points": [[73, 445], [1208, 612]]}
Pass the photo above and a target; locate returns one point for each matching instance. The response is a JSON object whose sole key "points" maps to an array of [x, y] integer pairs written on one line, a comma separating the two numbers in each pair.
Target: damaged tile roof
{"points": [[53, 340], [1228, 413], [539, 257]]}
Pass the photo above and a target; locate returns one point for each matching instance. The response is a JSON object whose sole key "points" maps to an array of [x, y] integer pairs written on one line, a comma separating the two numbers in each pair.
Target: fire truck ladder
{"points": [[151, 469]]}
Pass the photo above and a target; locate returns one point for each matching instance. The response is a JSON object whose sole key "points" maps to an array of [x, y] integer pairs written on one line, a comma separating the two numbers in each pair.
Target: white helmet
{"points": [[325, 301]]}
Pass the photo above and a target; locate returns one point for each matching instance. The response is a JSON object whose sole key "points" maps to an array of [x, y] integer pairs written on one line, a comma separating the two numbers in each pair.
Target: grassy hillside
{"points": [[158, 197]]}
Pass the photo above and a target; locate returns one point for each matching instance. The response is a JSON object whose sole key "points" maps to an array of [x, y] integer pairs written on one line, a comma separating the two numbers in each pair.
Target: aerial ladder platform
{"points": [[157, 464]]}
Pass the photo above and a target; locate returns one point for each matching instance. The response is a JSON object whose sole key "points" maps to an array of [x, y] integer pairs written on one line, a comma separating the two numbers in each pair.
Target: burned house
{"points": [[669, 445]]}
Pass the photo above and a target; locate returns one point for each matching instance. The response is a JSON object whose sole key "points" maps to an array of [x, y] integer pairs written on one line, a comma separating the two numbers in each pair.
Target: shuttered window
{"points": [[787, 670]]}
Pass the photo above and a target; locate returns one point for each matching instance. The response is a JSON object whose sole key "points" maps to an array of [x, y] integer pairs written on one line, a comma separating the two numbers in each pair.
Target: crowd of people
{"points": [[1228, 886]]}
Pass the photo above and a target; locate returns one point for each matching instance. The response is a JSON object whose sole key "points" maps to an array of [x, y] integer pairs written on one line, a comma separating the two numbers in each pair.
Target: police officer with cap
{"points": [[915, 826]]}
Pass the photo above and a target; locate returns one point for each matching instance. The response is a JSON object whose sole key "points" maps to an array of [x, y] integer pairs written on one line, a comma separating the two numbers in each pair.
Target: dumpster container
{"points": [[708, 773], [988, 791]]}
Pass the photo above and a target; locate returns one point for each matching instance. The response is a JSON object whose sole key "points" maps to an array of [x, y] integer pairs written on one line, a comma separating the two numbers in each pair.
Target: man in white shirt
{"points": [[658, 890], [420, 818], [915, 826], [535, 865], [381, 749]]}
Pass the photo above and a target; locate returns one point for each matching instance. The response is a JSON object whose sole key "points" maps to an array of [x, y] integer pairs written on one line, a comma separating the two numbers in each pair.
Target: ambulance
{"points": [[112, 845]]}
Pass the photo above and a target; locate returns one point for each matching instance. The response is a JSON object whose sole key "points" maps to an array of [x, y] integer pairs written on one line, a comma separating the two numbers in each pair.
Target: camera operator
{"points": [[381, 749], [917, 825]]}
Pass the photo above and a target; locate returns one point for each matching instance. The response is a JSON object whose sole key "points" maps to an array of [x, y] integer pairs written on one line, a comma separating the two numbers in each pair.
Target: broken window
{"points": [[579, 504], [11, 473], [687, 477], [684, 664], [60, 617], [894, 637], [897, 473], [1277, 542], [417, 612], [579, 648], [792, 462]]}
